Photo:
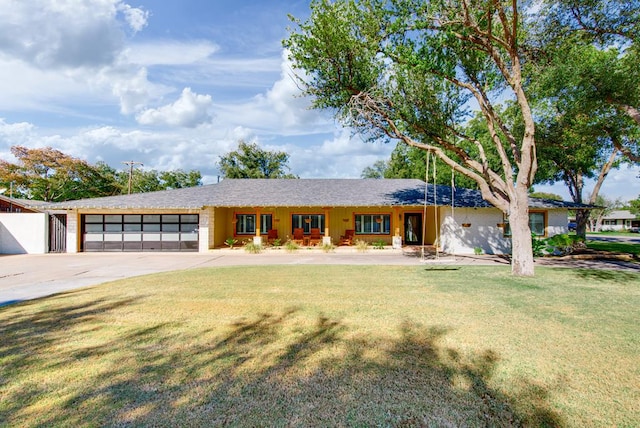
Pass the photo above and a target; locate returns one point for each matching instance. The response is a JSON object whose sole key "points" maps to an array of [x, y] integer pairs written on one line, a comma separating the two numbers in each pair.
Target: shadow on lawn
{"points": [[618, 276], [320, 376]]}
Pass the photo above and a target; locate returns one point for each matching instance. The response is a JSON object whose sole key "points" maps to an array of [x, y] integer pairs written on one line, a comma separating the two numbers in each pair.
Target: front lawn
{"points": [[305, 345], [615, 247]]}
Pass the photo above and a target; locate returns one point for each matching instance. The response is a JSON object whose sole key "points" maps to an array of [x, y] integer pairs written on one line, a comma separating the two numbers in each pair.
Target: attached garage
{"points": [[139, 232]]}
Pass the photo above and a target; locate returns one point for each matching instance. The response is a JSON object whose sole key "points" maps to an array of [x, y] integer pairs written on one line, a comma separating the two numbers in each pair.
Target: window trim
{"points": [[545, 217], [321, 222], [386, 221], [263, 222]]}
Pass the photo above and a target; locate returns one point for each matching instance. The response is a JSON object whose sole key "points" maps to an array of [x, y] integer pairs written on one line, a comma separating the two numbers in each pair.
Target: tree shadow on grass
{"points": [[609, 275], [273, 370]]}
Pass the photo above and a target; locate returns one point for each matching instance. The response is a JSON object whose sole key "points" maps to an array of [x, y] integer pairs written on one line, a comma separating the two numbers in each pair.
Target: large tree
{"points": [[153, 180], [406, 70], [585, 81], [47, 174], [611, 28], [411, 162], [250, 161]]}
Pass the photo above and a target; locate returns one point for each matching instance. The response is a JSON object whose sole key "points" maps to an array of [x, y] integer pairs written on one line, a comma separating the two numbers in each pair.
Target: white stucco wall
{"points": [[25, 233], [483, 231], [557, 222]]}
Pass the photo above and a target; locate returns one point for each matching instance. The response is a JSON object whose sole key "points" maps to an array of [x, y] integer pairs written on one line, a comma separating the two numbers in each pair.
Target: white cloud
{"points": [[133, 89], [56, 53], [169, 52], [280, 110], [15, 133], [189, 111], [135, 17], [64, 34]]}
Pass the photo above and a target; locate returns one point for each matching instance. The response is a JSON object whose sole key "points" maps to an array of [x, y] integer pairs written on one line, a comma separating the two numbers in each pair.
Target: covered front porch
{"points": [[395, 226]]}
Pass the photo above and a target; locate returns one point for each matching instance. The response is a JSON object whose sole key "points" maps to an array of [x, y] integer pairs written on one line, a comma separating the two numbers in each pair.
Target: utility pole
{"points": [[131, 164]]}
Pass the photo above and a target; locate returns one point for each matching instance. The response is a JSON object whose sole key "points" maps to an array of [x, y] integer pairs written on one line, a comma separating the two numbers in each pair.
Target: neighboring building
{"points": [[13, 205], [620, 220], [394, 211]]}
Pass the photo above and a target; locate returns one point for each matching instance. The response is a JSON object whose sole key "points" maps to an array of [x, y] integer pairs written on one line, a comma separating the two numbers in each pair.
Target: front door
{"points": [[413, 229]]}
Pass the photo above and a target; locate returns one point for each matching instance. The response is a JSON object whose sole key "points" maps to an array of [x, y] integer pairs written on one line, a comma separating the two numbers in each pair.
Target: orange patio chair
{"points": [[315, 237], [298, 236], [272, 235], [347, 238]]}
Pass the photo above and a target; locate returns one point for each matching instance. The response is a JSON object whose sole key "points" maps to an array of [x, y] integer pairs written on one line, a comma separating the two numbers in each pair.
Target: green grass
{"points": [[614, 233], [328, 346], [615, 247]]}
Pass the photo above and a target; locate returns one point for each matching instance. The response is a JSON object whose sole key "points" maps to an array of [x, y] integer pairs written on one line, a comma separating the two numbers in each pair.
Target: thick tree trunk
{"points": [[521, 249], [582, 217]]}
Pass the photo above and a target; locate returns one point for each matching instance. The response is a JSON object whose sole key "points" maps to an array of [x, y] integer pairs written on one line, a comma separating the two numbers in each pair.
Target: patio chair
{"points": [[315, 237], [272, 235], [347, 238], [298, 236]]}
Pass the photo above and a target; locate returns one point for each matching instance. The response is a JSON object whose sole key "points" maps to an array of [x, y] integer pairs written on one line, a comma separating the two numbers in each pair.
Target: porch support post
{"points": [[326, 239], [258, 238], [396, 240]]}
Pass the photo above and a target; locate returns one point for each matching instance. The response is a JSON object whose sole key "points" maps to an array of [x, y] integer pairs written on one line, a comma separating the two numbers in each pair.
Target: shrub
{"points": [[231, 242], [564, 244], [362, 245], [538, 245], [252, 248], [379, 244], [327, 248], [291, 246], [477, 251]]}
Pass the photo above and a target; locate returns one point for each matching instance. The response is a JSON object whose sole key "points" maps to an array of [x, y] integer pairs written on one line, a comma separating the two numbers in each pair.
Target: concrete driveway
{"points": [[24, 277]]}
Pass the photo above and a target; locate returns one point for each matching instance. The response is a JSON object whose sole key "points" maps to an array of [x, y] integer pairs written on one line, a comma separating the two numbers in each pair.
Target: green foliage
{"points": [[557, 245], [250, 161], [252, 248], [143, 181], [378, 244], [537, 245], [47, 174], [406, 70], [545, 195], [291, 246], [377, 170], [584, 81], [327, 248], [635, 207], [231, 242], [478, 251]]}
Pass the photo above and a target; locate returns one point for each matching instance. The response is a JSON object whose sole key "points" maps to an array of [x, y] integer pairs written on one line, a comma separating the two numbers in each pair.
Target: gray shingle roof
{"points": [[297, 193]]}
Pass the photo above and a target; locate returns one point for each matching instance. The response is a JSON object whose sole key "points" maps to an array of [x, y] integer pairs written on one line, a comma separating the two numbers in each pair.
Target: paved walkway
{"points": [[24, 277]]}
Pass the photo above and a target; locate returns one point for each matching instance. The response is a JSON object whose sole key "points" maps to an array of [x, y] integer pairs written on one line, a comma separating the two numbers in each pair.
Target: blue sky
{"points": [[172, 84]]}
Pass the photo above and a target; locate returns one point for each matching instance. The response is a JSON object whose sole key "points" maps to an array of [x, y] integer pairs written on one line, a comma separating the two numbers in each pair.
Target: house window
{"points": [[246, 224], [537, 223], [373, 224], [307, 222]]}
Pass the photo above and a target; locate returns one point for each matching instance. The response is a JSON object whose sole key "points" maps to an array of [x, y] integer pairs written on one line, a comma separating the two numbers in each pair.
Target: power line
{"points": [[131, 164]]}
